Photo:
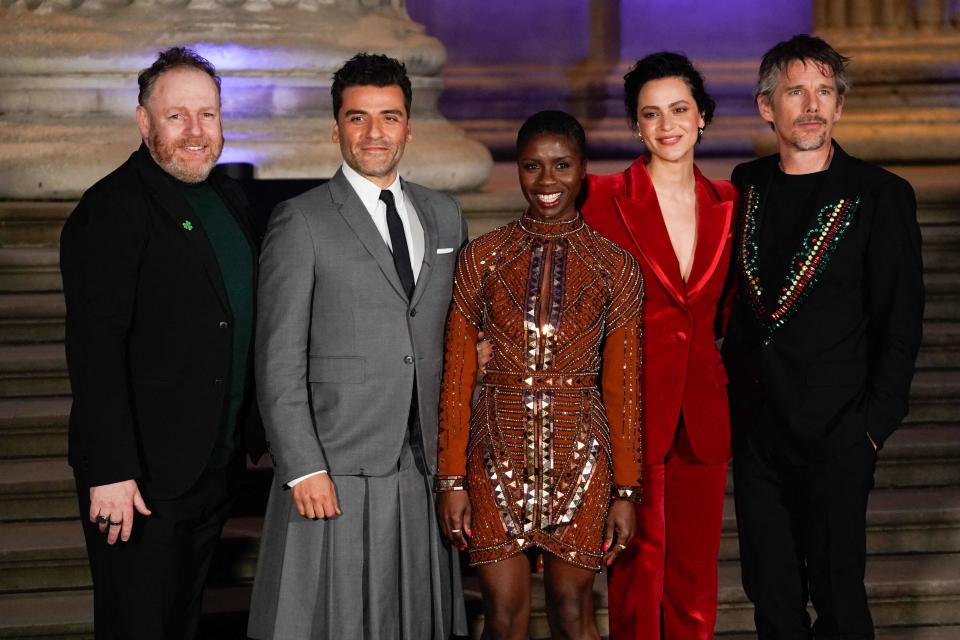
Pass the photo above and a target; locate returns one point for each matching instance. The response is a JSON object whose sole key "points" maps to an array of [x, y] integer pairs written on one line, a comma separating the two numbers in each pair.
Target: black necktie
{"points": [[398, 240]]}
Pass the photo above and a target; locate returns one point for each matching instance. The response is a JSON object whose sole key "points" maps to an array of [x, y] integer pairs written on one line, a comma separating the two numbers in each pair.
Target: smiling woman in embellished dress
{"points": [[549, 455]]}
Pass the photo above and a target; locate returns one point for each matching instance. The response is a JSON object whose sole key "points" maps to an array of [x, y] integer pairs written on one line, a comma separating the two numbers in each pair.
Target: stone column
{"points": [[68, 86]]}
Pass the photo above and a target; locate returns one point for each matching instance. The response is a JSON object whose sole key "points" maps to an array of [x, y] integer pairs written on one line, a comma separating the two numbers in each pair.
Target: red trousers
{"points": [[664, 585]]}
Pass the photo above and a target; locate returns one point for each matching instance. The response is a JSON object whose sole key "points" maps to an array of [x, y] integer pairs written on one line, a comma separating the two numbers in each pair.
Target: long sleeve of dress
{"points": [[620, 382], [459, 374]]}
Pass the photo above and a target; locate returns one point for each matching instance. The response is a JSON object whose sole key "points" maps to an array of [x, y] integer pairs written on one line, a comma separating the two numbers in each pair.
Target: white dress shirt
{"points": [[369, 194]]}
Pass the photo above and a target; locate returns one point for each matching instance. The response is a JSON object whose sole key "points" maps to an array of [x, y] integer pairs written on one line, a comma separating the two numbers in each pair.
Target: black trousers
{"points": [[802, 531], [150, 587]]}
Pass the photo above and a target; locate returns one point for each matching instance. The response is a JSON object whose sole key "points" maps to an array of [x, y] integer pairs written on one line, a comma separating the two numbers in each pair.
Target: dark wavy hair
{"points": [[168, 60], [370, 69], [802, 48], [560, 123], [665, 64]]}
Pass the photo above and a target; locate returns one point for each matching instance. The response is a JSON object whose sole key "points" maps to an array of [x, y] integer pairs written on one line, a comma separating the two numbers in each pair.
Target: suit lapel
{"points": [[428, 221], [358, 219], [713, 224], [640, 212], [164, 190]]}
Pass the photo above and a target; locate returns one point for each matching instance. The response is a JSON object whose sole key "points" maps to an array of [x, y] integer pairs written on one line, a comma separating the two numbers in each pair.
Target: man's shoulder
{"points": [[121, 182], [872, 176], [436, 198], [310, 200], [752, 169]]}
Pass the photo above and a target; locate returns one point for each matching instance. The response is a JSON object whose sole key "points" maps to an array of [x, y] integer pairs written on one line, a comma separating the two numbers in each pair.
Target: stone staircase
{"points": [[914, 517]]}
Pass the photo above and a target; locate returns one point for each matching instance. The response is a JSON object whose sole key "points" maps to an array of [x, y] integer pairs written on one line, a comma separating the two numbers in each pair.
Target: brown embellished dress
{"points": [[555, 431]]}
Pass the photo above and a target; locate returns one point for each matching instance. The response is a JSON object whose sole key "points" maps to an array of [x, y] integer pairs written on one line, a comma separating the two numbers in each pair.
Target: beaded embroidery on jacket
{"points": [[806, 266]]}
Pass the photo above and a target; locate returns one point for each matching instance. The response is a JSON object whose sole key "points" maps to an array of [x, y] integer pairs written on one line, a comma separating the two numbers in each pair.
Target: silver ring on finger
{"points": [[621, 547], [101, 519], [455, 530], [115, 524]]}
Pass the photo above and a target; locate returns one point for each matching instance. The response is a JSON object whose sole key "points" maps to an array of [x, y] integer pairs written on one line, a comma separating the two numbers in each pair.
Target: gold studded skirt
{"points": [[538, 469]]}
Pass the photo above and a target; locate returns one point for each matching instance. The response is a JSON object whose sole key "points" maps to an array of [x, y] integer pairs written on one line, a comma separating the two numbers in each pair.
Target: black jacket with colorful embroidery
{"points": [[834, 361]]}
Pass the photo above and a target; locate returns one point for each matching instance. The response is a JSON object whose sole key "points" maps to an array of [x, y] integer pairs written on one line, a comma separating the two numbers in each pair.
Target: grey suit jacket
{"points": [[338, 343]]}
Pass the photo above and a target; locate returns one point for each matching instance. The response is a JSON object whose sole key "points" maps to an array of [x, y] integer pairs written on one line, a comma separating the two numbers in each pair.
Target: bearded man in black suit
{"points": [[159, 266], [820, 349]]}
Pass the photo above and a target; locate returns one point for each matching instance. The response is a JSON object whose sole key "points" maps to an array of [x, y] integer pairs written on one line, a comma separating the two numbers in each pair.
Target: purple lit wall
{"points": [[482, 32], [707, 29]]}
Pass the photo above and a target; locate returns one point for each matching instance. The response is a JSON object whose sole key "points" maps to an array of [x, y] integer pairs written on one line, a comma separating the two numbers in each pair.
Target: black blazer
{"points": [[148, 331], [837, 359]]}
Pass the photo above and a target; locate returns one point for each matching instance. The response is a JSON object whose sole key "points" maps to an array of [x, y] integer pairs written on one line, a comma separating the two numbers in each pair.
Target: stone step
{"points": [[920, 455], [902, 520], [949, 632], [34, 427], [45, 556], [30, 269], [33, 370], [943, 296], [50, 555], [902, 590], [31, 317], [916, 455], [933, 396], [32, 223], [68, 615], [941, 345], [38, 489]]}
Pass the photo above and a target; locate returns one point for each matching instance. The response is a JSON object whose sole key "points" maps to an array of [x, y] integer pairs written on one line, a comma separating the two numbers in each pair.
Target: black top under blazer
{"points": [[148, 331], [840, 362]]}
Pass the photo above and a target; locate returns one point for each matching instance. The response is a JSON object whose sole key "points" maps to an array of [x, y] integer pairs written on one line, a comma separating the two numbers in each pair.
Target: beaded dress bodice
{"points": [[561, 306]]}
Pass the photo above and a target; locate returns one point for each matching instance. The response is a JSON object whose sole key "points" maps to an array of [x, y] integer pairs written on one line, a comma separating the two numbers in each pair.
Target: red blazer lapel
{"points": [[643, 220], [713, 224]]}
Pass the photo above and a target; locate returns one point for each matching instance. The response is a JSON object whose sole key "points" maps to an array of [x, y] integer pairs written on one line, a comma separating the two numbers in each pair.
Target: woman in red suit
{"points": [[678, 224]]}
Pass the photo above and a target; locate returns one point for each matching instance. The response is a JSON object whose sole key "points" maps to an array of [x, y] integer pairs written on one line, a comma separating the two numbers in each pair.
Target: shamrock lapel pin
{"points": [[186, 224]]}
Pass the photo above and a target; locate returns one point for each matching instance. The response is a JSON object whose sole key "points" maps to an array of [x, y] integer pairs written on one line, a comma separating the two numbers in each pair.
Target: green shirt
{"points": [[235, 258]]}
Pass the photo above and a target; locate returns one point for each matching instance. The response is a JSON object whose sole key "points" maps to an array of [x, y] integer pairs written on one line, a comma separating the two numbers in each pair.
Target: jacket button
{"points": [[680, 336], [413, 312], [408, 359], [224, 325]]}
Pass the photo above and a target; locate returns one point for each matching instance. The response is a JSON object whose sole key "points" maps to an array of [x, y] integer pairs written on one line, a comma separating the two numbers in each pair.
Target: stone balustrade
{"points": [[247, 5], [885, 16]]}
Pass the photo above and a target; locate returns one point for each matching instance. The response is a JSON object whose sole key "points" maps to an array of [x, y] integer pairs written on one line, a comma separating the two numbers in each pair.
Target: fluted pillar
{"points": [[892, 15], [68, 85]]}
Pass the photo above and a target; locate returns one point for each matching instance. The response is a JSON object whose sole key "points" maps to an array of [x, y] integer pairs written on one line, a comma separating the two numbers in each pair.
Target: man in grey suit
{"points": [[355, 282]]}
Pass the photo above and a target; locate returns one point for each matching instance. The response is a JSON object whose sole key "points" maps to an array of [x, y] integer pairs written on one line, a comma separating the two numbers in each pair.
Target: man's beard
{"points": [[165, 156], [809, 141]]}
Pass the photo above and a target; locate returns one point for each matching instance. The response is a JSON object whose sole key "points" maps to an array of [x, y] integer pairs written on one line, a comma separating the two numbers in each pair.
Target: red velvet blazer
{"points": [[682, 370]]}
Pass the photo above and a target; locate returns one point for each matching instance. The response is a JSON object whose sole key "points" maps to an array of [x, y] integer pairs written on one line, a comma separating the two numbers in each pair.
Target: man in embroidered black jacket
{"points": [[820, 349]]}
